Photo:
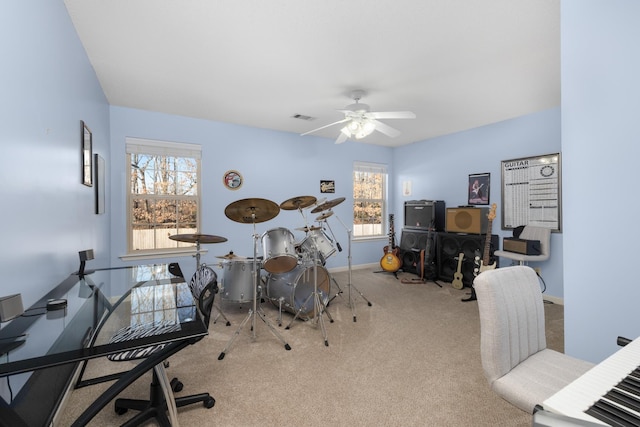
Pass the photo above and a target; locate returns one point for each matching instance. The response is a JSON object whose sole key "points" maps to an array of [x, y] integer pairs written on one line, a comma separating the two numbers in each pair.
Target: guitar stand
{"points": [[472, 296]]}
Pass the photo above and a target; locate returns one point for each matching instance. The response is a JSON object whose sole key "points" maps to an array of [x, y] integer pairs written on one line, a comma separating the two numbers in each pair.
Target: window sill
{"points": [[162, 253]]}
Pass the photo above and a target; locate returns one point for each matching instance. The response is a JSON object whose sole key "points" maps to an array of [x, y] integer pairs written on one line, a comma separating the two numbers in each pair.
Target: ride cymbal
{"points": [[328, 205], [249, 211], [299, 202], [198, 238]]}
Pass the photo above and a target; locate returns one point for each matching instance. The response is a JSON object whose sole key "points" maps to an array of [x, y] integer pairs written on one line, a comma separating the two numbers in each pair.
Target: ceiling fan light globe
{"points": [[346, 131]]}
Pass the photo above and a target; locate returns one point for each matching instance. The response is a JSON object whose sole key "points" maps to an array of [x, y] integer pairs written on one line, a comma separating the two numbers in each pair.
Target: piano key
{"points": [[613, 415]]}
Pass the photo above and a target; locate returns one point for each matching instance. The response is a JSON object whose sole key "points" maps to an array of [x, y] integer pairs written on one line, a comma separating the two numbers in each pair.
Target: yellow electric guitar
{"points": [[456, 283], [390, 261]]}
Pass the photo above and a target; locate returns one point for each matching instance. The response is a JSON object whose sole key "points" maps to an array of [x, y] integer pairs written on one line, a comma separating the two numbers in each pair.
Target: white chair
{"points": [[516, 361], [531, 232]]}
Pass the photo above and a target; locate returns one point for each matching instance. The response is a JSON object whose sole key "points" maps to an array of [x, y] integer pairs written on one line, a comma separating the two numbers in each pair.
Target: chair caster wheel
{"points": [[120, 411], [176, 385], [209, 403]]}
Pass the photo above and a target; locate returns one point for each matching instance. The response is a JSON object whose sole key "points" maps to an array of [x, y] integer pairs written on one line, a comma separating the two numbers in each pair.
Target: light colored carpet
{"points": [[412, 358]]}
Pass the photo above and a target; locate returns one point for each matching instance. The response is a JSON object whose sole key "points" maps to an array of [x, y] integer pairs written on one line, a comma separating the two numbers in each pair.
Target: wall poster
{"points": [[532, 192]]}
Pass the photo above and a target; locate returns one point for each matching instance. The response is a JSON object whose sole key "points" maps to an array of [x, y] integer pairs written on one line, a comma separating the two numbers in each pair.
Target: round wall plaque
{"points": [[232, 180]]}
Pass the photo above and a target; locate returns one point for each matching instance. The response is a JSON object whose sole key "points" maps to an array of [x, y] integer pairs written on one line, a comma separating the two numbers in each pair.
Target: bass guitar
{"points": [[483, 264], [390, 261]]}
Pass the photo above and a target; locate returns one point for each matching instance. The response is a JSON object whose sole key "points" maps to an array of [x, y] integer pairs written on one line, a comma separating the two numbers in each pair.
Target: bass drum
{"points": [[294, 288]]}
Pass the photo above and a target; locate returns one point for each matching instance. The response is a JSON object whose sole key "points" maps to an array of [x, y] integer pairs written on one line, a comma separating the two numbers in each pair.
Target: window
{"points": [[369, 199], [163, 194]]}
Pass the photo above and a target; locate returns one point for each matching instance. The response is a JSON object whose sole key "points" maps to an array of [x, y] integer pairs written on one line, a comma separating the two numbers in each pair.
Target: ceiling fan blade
{"points": [[325, 126], [341, 138], [386, 129], [391, 115]]}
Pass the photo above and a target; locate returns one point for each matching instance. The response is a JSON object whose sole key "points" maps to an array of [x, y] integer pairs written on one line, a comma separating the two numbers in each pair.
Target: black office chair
{"points": [[203, 286]]}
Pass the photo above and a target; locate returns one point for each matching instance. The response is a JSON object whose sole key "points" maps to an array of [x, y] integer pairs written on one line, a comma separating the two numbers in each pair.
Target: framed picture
{"points": [[532, 192], [99, 178], [479, 188], [327, 186], [87, 156]]}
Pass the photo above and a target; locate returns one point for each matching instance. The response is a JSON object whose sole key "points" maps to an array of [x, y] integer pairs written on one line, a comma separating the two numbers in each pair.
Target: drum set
{"points": [[295, 278]]}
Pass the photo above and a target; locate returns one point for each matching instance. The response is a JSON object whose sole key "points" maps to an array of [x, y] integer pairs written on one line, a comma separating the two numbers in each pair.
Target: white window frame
{"points": [[368, 167], [160, 148]]}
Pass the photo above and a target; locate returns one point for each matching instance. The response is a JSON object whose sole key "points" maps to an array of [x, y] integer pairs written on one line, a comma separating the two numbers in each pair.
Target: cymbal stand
{"points": [[339, 250], [318, 305], [215, 304], [255, 310], [350, 284]]}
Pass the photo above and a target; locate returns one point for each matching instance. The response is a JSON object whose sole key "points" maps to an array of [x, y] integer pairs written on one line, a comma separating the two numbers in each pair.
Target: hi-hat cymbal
{"points": [[307, 229], [325, 215], [230, 255], [328, 205], [198, 238], [249, 211], [299, 202]]}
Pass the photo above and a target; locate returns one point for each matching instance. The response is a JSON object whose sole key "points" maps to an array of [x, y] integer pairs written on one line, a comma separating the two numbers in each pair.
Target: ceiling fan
{"points": [[360, 121]]}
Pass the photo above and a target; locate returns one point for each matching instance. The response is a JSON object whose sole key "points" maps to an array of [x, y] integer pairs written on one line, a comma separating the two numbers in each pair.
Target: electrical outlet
{"points": [[537, 270]]}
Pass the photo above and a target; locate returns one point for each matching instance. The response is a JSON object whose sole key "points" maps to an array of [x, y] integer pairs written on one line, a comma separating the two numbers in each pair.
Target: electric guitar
{"points": [[390, 261], [456, 283], [484, 263]]}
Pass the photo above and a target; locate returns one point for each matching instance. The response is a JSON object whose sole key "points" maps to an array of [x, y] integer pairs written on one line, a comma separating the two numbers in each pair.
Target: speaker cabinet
{"points": [[420, 214], [450, 245], [411, 243], [467, 220]]}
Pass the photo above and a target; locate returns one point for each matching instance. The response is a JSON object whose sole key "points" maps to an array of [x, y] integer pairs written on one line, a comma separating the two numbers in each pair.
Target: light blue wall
{"points": [[275, 165], [48, 87], [439, 169], [600, 106]]}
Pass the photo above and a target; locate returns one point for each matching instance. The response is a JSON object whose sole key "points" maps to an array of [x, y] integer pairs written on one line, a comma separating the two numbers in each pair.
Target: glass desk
{"points": [[44, 345]]}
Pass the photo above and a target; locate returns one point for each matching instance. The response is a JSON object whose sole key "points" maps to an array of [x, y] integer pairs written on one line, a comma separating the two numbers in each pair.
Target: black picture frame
{"points": [[87, 155], [99, 168], [479, 189]]}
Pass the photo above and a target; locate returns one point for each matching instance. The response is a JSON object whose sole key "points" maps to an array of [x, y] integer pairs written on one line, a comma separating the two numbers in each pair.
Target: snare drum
{"points": [[295, 287], [321, 241], [237, 280], [279, 250]]}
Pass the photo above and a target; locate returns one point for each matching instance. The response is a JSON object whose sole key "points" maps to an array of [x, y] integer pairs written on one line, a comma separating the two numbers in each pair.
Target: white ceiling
{"points": [[457, 64]]}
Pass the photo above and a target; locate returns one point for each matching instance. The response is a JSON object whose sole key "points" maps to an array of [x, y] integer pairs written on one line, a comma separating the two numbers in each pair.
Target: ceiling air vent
{"points": [[303, 117]]}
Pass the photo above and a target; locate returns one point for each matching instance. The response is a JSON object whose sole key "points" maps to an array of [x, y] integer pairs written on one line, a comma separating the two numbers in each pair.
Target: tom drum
{"points": [[237, 280], [321, 241], [279, 250]]}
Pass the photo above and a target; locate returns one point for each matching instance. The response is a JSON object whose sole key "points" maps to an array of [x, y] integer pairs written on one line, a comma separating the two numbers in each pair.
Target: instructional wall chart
{"points": [[531, 192]]}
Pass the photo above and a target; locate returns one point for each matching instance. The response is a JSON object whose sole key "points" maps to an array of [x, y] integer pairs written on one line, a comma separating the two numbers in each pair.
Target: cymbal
{"points": [[318, 202], [299, 202], [328, 205], [198, 238], [230, 255], [306, 229], [249, 211], [325, 215]]}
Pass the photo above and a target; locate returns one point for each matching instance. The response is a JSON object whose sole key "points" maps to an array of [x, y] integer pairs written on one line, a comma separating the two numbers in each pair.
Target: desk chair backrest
{"points": [[512, 323], [543, 234], [204, 286]]}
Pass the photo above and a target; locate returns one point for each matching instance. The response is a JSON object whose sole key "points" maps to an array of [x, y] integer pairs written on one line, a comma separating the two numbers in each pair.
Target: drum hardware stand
{"points": [[350, 284], [255, 310], [318, 305], [339, 250]]}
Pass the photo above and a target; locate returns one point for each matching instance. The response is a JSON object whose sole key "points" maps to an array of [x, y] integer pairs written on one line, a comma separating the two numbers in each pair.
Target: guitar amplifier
{"points": [[521, 246]]}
